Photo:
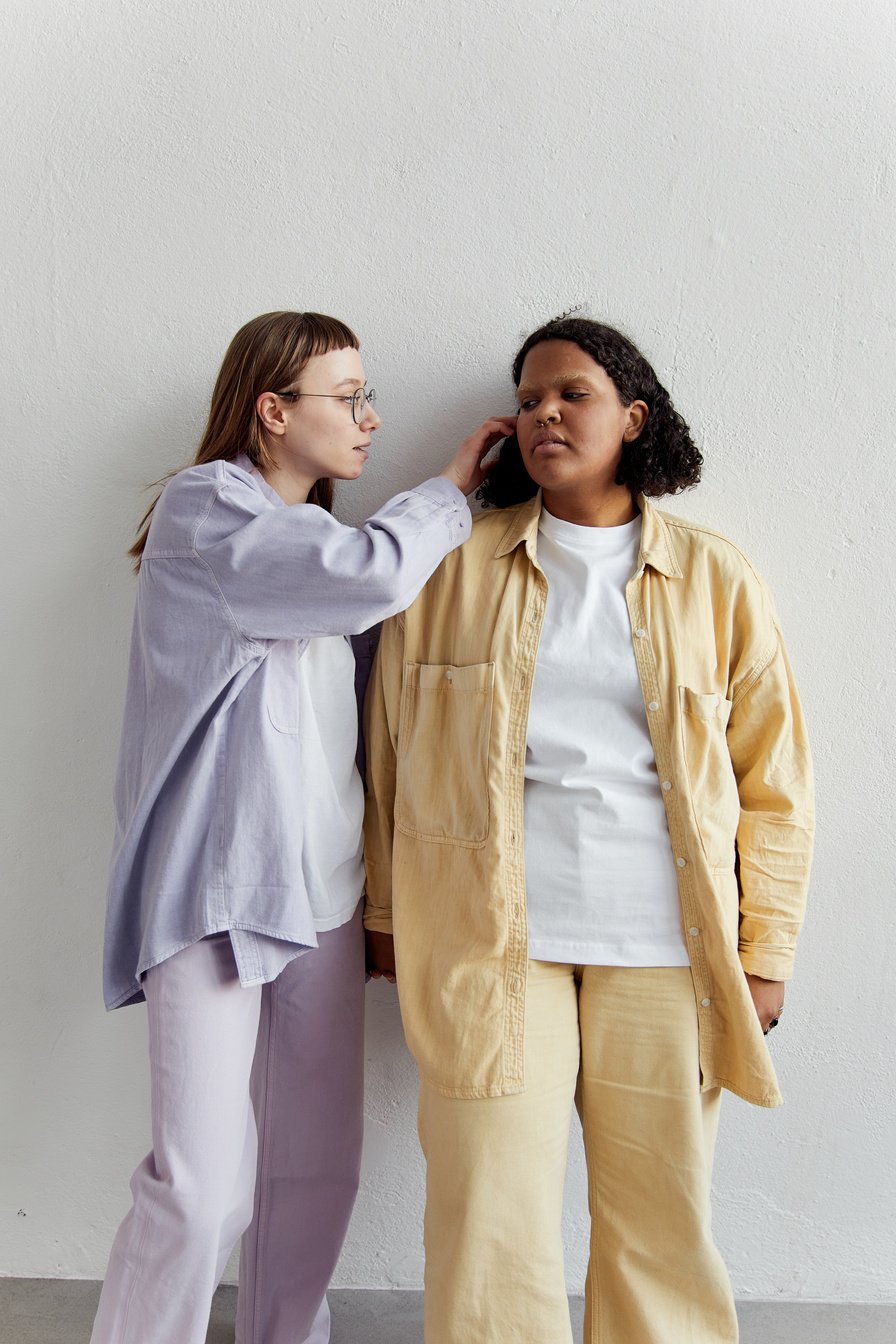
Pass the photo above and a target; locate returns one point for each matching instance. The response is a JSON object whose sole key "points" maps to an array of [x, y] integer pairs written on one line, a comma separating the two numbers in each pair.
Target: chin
{"points": [[544, 473]]}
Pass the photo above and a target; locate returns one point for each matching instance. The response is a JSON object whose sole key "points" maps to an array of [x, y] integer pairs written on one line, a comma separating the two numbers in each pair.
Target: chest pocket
{"points": [[443, 739], [282, 683], [713, 787]]}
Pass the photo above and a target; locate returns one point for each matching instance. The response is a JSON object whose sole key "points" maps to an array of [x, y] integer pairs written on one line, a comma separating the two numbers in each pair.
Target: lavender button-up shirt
{"points": [[209, 810]]}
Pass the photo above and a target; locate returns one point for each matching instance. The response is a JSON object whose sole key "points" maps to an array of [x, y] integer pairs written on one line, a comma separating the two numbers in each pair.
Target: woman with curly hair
{"points": [[589, 830]]}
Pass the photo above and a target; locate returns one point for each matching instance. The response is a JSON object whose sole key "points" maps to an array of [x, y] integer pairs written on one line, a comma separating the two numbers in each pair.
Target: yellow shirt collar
{"points": [[657, 545]]}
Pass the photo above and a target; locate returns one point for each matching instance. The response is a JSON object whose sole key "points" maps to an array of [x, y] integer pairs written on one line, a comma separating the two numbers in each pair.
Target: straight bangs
{"points": [[314, 334], [270, 352]]}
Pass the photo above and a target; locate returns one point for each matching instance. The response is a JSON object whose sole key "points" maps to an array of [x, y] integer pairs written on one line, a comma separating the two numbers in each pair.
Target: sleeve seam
{"points": [[244, 638], [757, 671]]}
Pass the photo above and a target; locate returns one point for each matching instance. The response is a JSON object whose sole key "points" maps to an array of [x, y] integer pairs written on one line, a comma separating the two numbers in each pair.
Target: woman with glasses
{"points": [[237, 873], [589, 830]]}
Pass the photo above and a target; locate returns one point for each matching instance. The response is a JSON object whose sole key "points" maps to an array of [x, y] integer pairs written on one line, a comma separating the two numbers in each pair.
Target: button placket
{"points": [[656, 725], [515, 981]]}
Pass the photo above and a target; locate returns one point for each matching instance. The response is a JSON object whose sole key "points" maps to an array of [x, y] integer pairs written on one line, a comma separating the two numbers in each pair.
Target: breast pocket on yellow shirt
{"points": [[713, 787], [443, 739]]}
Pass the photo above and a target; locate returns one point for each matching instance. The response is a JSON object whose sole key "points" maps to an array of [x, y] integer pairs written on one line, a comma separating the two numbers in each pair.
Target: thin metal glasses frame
{"points": [[363, 396]]}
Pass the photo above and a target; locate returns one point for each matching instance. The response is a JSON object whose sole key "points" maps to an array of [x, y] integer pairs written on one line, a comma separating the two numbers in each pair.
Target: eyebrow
{"points": [[562, 380], [350, 382]]}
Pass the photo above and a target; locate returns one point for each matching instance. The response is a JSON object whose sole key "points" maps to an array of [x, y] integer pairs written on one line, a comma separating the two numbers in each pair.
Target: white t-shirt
{"points": [[333, 795], [600, 873]]}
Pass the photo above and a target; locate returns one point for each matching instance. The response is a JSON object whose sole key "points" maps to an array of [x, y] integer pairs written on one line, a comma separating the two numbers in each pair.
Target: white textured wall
{"points": [[718, 178]]}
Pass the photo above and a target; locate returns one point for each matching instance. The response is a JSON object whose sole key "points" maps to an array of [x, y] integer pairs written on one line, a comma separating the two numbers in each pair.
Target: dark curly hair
{"points": [[662, 460]]}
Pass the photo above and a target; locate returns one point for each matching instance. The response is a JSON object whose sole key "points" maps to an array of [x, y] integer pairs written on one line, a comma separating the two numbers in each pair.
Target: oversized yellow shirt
{"points": [[447, 713]]}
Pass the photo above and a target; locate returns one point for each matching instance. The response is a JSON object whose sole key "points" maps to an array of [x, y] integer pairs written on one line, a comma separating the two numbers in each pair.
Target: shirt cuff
{"points": [[442, 491], [376, 921], [769, 963]]}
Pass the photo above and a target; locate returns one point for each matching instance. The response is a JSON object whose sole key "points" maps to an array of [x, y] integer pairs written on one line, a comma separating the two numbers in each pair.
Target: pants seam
{"points": [[129, 1303], [143, 1235], [263, 1143]]}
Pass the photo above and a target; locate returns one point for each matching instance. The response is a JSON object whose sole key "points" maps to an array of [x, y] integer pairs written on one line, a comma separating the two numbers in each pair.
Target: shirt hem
{"points": [[327, 923], [574, 954], [511, 1086], [130, 992]]}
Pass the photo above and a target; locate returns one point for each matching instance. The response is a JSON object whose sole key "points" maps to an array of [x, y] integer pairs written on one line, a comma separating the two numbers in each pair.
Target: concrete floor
{"points": [[60, 1311]]}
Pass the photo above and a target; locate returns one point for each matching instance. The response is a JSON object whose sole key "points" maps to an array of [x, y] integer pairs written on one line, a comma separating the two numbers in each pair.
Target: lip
{"points": [[545, 441], [362, 448]]}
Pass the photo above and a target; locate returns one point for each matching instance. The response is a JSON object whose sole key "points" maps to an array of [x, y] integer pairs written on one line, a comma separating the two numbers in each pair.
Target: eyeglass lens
{"points": [[361, 398]]}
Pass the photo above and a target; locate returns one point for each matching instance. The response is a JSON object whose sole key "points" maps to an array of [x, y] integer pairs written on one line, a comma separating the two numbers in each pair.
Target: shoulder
{"points": [[715, 571], [196, 489], [697, 545], [197, 494], [208, 479]]}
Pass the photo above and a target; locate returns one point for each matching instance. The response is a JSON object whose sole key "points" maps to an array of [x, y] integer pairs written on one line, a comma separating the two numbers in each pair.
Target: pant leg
{"points": [[494, 1188], [193, 1192], [655, 1274], [308, 1090]]}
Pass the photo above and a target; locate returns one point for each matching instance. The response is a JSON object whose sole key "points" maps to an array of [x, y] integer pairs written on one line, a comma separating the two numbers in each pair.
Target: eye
{"points": [[527, 405], [572, 395]]}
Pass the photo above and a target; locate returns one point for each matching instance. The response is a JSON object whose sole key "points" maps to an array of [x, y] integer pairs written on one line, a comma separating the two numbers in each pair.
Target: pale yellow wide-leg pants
{"points": [[622, 1043]]}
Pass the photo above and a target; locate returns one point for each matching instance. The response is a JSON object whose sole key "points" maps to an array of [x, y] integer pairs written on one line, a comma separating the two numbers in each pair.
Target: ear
{"points": [[271, 413], [637, 419]]}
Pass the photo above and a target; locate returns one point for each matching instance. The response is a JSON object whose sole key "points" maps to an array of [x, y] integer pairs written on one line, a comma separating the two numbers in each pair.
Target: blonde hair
{"points": [[265, 355]]}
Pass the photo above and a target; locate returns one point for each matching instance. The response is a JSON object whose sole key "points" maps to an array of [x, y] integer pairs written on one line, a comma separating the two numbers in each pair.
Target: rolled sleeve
{"points": [[772, 763]]}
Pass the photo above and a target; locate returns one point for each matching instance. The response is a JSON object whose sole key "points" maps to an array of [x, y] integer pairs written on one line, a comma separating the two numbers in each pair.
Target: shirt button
{"points": [[667, 784], [641, 632], [681, 862], [704, 1003], [516, 985], [693, 932], [654, 704]]}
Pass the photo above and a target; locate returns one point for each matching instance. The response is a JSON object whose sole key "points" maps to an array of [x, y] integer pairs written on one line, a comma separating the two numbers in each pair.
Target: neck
{"points": [[291, 485], [611, 508]]}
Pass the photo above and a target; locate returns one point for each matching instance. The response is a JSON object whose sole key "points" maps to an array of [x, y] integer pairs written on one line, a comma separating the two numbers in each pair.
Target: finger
{"points": [[495, 436], [487, 436], [498, 426]]}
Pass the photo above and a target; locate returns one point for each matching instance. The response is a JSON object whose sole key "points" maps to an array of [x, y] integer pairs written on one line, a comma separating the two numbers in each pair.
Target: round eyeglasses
{"points": [[359, 400]]}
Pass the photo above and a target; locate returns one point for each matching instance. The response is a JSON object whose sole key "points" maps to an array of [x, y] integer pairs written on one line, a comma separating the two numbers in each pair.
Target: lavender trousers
{"points": [[257, 1113]]}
